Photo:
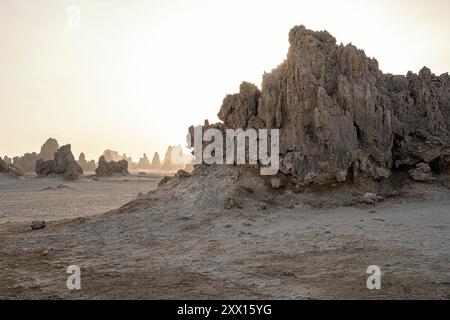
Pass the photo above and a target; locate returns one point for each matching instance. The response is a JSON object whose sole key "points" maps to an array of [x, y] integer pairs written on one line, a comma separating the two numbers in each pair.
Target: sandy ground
{"points": [[181, 242], [55, 199]]}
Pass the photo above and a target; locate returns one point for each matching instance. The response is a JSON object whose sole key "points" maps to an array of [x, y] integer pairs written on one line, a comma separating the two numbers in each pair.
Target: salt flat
{"points": [[182, 241]]}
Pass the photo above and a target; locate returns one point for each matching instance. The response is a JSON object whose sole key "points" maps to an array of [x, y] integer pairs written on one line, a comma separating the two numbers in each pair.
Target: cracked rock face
{"points": [[340, 117], [63, 164]]}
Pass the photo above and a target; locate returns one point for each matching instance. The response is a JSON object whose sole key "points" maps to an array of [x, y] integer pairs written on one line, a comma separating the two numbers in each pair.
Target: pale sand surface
{"points": [[175, 243]]}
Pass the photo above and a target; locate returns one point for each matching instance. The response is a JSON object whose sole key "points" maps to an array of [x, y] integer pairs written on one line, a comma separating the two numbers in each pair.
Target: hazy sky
{"points": [[137, 73]]}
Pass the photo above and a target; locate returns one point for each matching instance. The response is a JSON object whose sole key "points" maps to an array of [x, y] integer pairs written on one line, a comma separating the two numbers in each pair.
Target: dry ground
{"points": [[181, 242]]}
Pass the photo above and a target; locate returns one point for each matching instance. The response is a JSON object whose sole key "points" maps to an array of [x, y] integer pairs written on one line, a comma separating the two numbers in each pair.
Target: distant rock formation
{"points": [[9, 169], [110, 168], [174, 159], [144, 163], [111, 155], [340, 118], [156, 162], [27, 162], [48, 149], [87, 166], [7, 160], [63, 164]]}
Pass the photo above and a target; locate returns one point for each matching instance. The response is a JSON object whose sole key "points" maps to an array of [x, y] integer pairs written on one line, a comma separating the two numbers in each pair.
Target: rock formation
{"points": [[422, 173], [9, 169], [7, 160], [174, 159], [111, 168], [27, 162], [156, 162], [63, 164], [144, 163], [48, 149], [87, 166], [111, 155], [340, 118]]}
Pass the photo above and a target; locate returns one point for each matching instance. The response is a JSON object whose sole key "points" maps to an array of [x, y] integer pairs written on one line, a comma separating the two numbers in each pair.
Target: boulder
{"points": [[422, 173], [38, 225]]}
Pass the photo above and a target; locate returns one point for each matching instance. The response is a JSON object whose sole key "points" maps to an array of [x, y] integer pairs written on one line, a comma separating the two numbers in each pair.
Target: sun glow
{"points": [[133, 77]]}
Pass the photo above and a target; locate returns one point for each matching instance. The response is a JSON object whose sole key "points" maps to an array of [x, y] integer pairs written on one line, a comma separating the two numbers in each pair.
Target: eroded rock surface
{"points": [[111, 168], [156, 162], [340, 118], [86, 165], [9, 169], [48, 149], [144, 163], [27, 162], [63, 164]]}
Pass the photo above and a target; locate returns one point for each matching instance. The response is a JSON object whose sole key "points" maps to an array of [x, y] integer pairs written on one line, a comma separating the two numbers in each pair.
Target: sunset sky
{"points": [[136, 74]]}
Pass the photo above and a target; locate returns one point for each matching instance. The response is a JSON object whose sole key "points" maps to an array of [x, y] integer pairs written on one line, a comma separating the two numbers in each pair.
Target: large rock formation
{"points": [[87, 166], [8, 168], [111, 168], [48, 149], [342, 119], [63, 164]]}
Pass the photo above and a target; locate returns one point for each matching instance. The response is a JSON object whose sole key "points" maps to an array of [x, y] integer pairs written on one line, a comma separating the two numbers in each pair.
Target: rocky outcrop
{"points": [[111, 168], [87, 166], [156, 162], [144, 163], [9, 169], [48, 149], [340, 118], [111, 155], [63, 164], [8, 160], [27, 162]]}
